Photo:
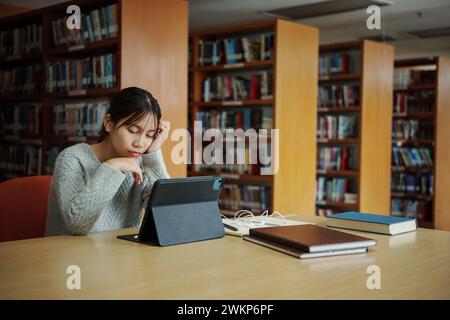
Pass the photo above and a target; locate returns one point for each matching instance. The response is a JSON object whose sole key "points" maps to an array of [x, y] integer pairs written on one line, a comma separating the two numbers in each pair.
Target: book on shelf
{"points": [[79, 118], [24, 80], [336, 158], [238, 87], [245, 118], [230, 170], [50, 157], [403, 78], [20, 159], [17, 120], [258, 47], [77, 74], [22, 40], [417, 209], [412, 157], [411, 129], [96, 25], [308, 241], [338, 95], [416, 101], [251, 197], [325, 212], [372, 223], [337, 127], [336, 63], [416, 183], [335, 190]]}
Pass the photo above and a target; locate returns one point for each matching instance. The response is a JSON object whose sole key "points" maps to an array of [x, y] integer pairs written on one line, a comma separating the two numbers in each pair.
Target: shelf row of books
{"points": [[412, 129], [325, 212], [335, 190], [79, 119], [412, 157], [417, 209], [20, 160], [417, 101], [336, 63], [77, 74], [338, 95], [337, 127], [251, 197], [18, 41], [243, 87], [228, 169], [236, 50], [336, 158], [412, 183], [246, 118], [235, 160], [50, 159], [403, 78], [24, 80], [20, 119], [96, 25]]}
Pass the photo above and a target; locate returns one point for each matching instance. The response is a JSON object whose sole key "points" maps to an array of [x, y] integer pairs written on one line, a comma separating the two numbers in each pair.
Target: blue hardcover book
{"points": [[372, 223]]}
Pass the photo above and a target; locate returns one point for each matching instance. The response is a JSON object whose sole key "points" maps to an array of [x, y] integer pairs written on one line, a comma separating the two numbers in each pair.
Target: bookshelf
{"points": [[272, 77], [59, 82], [353, 128], [419, 149]]}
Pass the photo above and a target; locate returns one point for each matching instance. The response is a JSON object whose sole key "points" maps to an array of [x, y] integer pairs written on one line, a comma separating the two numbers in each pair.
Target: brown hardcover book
{"points": [[311, 238], [300, 254]]}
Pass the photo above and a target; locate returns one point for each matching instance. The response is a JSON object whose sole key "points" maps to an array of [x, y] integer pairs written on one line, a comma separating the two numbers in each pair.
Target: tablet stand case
{"points": [[180, 211]]}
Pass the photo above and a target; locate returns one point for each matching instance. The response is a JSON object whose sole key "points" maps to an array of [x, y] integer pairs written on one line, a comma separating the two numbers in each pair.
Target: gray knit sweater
{"points": [[88, 196]]}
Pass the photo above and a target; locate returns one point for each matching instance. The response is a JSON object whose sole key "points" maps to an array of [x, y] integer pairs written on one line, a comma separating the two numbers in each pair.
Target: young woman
{"points": [[104, 186]]}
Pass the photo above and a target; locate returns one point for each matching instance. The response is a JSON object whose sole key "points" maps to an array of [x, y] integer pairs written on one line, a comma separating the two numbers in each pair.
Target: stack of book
{"points": [[309, 241]]}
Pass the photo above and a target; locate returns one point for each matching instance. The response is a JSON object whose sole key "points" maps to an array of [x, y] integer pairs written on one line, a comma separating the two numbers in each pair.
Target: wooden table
{"points": [[413, 266]]}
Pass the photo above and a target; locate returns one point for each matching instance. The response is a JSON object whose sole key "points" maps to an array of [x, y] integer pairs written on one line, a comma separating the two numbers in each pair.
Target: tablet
{"points": [[181, 210]]}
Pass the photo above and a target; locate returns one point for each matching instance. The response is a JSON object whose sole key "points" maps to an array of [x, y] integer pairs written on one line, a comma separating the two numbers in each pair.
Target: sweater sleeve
{"points": [[154, 168], [81, 201]]}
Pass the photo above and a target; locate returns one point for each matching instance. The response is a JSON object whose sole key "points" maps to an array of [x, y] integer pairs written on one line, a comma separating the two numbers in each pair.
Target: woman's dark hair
{"points": [[132, 103]]}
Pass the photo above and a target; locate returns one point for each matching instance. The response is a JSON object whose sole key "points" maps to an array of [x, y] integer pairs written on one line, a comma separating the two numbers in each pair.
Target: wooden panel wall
{"points": [[295, 115], [154, 56], [376, 127], [442, 156]]}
